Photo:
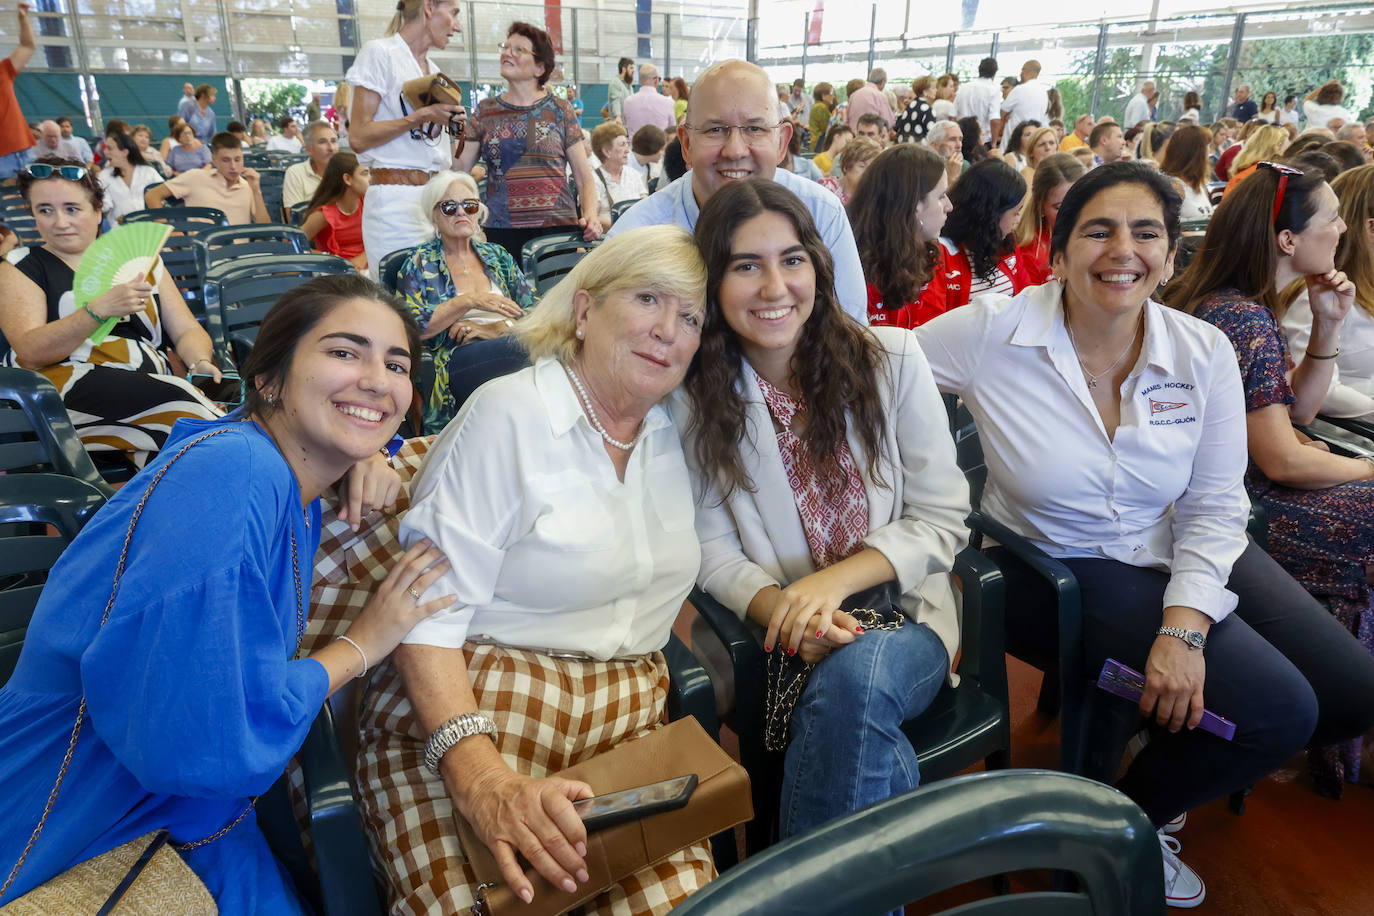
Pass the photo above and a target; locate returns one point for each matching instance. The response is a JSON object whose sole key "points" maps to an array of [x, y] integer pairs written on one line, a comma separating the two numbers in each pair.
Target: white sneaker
{"points": [[1175, 825], [1183, 888]]}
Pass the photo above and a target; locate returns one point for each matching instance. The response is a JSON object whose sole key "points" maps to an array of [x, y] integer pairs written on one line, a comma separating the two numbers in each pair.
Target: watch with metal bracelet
{"points": [[1193, 638], [453, 731]]}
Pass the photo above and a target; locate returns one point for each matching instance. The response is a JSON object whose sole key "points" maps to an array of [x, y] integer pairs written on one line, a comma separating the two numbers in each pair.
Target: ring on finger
{"points": [[412, 592]]}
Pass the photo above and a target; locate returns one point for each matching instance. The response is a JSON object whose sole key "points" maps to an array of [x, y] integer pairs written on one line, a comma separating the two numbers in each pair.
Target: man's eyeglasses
{"points": [[719, 134], [450, 207], [518, 52], [1285, 171], [41, 170]]}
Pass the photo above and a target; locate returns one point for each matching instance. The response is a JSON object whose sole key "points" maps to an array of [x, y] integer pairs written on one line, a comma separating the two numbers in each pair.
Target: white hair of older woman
{"points": [[939, 129], [436, 189]]}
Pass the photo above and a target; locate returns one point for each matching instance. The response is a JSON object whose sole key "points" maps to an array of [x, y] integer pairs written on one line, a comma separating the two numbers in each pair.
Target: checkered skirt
{"points": [[550, 713]]}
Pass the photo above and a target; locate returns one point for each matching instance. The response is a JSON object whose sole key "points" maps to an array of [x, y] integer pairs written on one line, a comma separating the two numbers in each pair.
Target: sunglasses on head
{"points": [[450, 207], [1284, 172], [41, 170]]}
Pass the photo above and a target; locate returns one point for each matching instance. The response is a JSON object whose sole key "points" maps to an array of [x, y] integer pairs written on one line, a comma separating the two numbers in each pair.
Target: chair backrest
{"points": [[949, 833], [390, 268], [552, 258], [40, 514], [240, 292], [215, 245], [618, 209], [24, 227], [179, 257], [270, 182], [183, 219], [539, 243], [36, 432], [296, 212]]}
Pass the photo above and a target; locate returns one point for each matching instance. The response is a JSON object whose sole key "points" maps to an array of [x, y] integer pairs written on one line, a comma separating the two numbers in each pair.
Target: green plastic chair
{"points": [[946, 834], [32, 507]]}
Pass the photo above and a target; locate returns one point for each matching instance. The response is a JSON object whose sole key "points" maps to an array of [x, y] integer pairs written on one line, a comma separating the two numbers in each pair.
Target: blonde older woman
{"points": [[1266, 143], [1042, 143], [614, 182], [462, 290], [853, 159], [562, 493]]}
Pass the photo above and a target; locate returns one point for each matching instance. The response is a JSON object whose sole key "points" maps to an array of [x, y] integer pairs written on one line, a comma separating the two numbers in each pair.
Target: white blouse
{"points": [[1165, 492], [122, 199], [549, 549], [1196, 204], [1351, 392], [384, 65], [631, 186]]}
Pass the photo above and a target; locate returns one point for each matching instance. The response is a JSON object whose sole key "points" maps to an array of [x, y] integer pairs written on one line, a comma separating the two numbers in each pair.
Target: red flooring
{"points": [[1293, 853]]}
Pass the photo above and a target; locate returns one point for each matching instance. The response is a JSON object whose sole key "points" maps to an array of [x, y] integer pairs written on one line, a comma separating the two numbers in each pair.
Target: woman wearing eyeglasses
{"points": [[1276, 233], [528, 139], [402, 146], [121, 392], [465, 292]]}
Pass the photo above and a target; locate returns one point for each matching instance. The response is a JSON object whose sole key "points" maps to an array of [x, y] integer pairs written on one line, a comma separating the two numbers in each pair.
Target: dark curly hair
{"points": [[882, 211], [835, 366], [980, 197]]}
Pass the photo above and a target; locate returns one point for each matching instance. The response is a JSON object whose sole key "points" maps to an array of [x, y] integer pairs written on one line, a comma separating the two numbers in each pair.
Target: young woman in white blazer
{"points": [[823, 467]]}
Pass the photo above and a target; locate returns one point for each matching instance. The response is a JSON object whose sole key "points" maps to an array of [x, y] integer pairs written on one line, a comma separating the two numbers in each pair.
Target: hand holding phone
{"points": [[227, 392], [602, 811]]}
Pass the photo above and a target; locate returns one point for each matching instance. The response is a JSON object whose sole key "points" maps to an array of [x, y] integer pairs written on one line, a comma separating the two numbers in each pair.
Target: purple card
{"points": [[1129, 684]]}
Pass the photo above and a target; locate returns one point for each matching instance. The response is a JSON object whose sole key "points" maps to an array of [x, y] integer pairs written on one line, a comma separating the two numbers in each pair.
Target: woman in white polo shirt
{"points": [[1149, 509], [389, 137]]}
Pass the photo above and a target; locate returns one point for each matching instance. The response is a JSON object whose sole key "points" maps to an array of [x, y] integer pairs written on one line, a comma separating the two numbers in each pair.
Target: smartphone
{"points": [[227, 393], [602, 811]]}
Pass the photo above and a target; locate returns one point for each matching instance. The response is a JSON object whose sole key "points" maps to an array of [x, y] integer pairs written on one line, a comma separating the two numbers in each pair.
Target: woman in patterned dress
{"points": [[1275, 233], [121, 393], [464, 292], [822, 470], [562, 493], [528, 139]]}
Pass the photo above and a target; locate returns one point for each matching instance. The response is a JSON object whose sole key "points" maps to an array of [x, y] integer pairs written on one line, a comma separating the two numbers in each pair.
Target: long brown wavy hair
{"points": [[835, 367], [895, 259]]}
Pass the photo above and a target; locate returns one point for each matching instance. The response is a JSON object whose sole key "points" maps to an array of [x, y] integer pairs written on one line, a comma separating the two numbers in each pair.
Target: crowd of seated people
{"points": [[736, 389]]}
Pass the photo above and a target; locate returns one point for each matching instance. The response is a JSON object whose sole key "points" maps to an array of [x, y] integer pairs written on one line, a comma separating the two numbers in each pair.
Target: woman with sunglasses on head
{"points": [[529, 141], [403, 146], [1277, 232], [465, 292], [122, 392]]}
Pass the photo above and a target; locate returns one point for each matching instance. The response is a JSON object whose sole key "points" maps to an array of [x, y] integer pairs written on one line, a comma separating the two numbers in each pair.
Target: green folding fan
{"points": [[121, 255]]}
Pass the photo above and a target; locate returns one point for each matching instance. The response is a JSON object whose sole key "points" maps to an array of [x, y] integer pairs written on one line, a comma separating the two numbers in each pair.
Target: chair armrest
{"points": [[689, 687], [983, 656], [1350, 424], [746, 656], [1340, 440], [1069, 602], [1257, 526], [336, 831]]}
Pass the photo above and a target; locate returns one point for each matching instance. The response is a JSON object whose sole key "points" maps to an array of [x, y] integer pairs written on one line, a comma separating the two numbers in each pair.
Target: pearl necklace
{"points": [[596, 421], [1092, 379]]}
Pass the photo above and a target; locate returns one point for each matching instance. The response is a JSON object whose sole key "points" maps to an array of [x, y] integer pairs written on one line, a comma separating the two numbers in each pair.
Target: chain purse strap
{"points": [[786, 677], [109, 606]]}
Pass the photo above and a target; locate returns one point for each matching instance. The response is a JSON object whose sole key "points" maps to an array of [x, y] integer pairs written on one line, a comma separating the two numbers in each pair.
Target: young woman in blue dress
{"points": [[186, 686]]}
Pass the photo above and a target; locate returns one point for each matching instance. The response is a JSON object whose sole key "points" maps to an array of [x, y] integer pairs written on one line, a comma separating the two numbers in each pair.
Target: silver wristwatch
{"points": [[453, 731], [1193, 638]]}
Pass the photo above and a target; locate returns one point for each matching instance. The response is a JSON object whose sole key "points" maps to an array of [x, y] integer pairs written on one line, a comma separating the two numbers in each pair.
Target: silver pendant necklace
{"points": [[596, 421], [1092, 379]]}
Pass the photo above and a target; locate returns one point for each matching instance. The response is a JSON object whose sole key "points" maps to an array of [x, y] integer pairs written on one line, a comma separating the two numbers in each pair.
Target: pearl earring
{"points": [[579, 333]]}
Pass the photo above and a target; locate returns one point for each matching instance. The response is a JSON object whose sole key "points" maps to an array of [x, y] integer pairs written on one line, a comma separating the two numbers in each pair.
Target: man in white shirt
{"points": [[289, 140], [50, 143], [648, 105], [732, 97], [1138, 108], [302, 179], [83, 149], [1029, 101], [982, 99]]}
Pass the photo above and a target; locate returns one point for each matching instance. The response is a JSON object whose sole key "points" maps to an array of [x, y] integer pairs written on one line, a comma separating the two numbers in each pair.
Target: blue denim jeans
{"points": [[13, 163], [847, 749]]}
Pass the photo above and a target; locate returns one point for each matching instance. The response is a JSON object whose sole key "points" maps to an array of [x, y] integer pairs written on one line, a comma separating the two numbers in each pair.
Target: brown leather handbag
{"points": [[721, 801], [435, 89]]}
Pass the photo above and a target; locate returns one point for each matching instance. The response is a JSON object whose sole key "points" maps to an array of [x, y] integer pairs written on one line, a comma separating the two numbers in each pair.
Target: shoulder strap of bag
{"points": [[81, 711]]}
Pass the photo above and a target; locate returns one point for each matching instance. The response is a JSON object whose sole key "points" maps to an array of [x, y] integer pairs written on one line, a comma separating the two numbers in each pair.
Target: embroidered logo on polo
{"points": [[1168, 407]]}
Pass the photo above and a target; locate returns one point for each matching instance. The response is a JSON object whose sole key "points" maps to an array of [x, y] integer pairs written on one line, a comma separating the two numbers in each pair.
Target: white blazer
{"points": [[755, 539]]}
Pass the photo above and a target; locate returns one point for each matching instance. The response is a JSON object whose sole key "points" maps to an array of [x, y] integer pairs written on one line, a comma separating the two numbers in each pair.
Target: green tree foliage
{"points": [[270, 99]]}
